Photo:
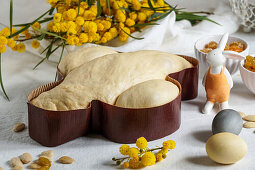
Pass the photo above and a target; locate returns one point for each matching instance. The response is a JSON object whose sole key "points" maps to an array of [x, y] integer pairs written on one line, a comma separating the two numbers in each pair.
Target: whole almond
{"points": [[19, 127], [50, 159], [65, 160], [34, 166], [18, 168], [48, 153], [26, 158], [241, 114], [249, 125], [250, 118], [16, 162], [44, 168], [44, 161]]}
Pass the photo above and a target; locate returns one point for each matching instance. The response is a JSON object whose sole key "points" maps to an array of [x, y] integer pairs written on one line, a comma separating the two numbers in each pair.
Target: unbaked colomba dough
{"points": [[81, 56], [147, 94], [105, 78]]}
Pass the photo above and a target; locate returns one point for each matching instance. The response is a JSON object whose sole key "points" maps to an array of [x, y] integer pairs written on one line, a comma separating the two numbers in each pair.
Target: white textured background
{"points": [[94, 151]]}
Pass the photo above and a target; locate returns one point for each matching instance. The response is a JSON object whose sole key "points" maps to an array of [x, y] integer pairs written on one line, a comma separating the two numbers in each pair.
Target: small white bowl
{"points": [[231, 64], [248, 77]]}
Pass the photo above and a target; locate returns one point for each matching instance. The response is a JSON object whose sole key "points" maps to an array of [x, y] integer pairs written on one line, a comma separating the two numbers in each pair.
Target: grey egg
{"points": [[227, 120]]}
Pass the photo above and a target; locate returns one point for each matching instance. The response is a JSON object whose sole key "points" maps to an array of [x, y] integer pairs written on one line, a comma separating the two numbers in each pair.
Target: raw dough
{"points": [[81, 56], [147, 94], [105, 78]]}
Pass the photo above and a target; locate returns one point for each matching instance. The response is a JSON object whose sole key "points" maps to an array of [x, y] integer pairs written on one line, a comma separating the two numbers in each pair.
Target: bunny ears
{"points": [[223, 42]]}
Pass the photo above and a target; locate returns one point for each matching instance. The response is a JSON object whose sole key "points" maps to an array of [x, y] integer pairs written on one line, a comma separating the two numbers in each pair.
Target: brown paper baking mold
{"points": [[122, 125]]}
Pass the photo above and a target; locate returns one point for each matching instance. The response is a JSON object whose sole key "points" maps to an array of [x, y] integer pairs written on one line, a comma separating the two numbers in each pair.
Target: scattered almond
{"points": [[44, 168], [19, 127], [48, 153], [250, 118], [65, 160], [18, 168], [26, 158], [16, 162], [34, 166], [241, 114], [249, 125], [44, 161]]}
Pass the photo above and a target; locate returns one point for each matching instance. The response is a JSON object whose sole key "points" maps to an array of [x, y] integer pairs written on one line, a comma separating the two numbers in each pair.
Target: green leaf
{"points": [[1, 81], [155, 15], [137, 38], [62, 52], [164, 8], [144, 24], [192, 17], [109, 6], [60, 58], [40, 62], [21, 25], [45, 49], [163, 15], [47, 54], [120, 8], [46, 20], [126, 9], [99, 8], [26, 27], [51, 52], [79, 5], [150, 5], [168, 4], [41, 37], [11, 13], [158, 9], [42, 21], [51, 11], [48, 33], [138, 29]]}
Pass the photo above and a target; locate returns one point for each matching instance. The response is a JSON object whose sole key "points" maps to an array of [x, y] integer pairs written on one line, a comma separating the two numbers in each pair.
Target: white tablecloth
{"points": [[95, 151]]}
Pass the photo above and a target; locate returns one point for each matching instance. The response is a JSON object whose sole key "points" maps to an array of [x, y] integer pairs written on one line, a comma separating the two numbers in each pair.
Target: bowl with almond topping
{"points": [[234, 52], [247, 71]]}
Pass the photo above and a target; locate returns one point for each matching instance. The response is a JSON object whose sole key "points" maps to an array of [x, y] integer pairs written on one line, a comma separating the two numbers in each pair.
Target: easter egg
{"points": [[226, 148], [227, 120]]}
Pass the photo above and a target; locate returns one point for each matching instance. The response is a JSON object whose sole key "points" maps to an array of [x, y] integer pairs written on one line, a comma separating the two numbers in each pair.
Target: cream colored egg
{"points": [[226, 148]]}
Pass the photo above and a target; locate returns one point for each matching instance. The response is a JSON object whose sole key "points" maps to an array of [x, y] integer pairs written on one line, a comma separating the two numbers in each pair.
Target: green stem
{"points": [[49, 49], [29, 38], [26, 27], [99, 8], [60, 58], [137, 38], [39, 62], [155, 149], [119, 159], [145, 24], [202, 12], [109, 6], [1, 81], [48, 33], [49, 52], [192, 17], [150, 150], [41, 21], [11, 14], [79, 4]]}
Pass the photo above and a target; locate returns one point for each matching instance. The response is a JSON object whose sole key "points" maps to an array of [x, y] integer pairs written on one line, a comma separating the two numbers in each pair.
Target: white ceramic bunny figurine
{"points": [[217, 81]]}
